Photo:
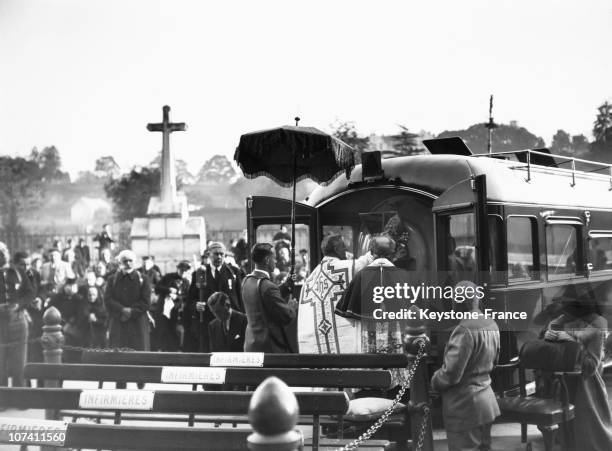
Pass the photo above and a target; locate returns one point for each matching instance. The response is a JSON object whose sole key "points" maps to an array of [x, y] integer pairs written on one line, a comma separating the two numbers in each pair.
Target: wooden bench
{"points": [[312, 361], [201, 375], [309, 371], [273, 410], [143, 405]]}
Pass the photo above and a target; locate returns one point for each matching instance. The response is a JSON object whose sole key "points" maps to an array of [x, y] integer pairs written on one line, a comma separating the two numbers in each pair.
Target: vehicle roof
{"points": [[506, 181]]}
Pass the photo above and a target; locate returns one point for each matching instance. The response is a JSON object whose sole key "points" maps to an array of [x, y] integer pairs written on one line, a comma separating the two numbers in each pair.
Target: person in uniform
{"points": [[469, 405], [267, 308], [127, 297]]}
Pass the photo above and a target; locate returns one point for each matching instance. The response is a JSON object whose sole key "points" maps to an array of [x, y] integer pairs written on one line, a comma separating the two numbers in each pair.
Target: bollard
{"points": [[273, 414], [52, 340], [415, 335]]}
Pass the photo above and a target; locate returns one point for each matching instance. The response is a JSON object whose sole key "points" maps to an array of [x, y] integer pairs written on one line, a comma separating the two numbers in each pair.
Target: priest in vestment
{"points": [[320, 330]]}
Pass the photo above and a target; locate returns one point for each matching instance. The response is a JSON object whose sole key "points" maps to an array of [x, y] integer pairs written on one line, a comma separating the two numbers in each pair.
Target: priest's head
{"points": [[382, 246], [334, 246]]}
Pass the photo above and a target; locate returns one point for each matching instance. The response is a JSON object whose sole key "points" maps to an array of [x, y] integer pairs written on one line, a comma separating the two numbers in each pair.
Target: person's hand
{"points": [[126, 313], [551, 335], [564, 336], [37, 303], [200, 306], [293, 303], [92, 318], [180, 332]]}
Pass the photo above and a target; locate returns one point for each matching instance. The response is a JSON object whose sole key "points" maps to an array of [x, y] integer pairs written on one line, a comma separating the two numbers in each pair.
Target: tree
{"points": [[87, 178], [183, 176], [20, 193], [602, 129], [580, 144], [404, 143], [345, 131], [49, 164], [561, 143], [217, 170], [505, 138], [106, 167], [131, 192]]}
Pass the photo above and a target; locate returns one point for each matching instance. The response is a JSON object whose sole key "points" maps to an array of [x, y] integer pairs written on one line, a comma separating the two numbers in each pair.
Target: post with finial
{"points": [[415, 337], [52, 340], [490, 125], [273, 414]]}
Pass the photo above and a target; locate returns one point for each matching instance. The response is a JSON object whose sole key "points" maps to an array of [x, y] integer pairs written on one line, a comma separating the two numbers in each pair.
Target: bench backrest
{"points": [[267, 360], [375, 379], [222, 403]]}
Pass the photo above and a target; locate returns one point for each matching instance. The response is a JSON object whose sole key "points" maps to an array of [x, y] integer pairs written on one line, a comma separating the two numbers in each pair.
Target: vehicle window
{"points": [[521, 259], [280, 236], [562, 255], [600, 251], [397, 217], [458, 244], [345, 231]]}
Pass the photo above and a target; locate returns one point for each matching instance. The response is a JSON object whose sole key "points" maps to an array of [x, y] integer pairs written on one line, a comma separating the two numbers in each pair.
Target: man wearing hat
{"points": [[210, 278]]}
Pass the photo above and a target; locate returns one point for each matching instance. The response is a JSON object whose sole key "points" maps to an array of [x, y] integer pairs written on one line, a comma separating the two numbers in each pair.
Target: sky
{"points": [[87, 76]]}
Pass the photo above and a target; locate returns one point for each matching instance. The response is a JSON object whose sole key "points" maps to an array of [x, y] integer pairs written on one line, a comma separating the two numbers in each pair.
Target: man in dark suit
{"points": [[268, 311], [206, 280], [226, 331]]}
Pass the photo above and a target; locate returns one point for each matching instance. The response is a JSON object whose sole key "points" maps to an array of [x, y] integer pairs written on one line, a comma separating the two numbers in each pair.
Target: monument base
{"points": [[170, 236]]}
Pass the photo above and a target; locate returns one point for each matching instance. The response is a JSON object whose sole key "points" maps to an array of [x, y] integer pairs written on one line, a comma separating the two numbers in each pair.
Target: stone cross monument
{"points": [[168, 232], [168, 171]]}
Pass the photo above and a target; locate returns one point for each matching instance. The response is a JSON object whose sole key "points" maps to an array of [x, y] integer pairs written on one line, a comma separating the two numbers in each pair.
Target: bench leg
{"points": [[549, 432], [523, 432]]}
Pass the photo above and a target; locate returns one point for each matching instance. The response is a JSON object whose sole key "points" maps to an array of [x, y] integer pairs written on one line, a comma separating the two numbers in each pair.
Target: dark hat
{"points": [[185, 265], [71, 280]]}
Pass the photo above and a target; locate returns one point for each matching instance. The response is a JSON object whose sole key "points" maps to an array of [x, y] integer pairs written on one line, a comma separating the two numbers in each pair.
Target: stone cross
{"points": [[168, 172]]}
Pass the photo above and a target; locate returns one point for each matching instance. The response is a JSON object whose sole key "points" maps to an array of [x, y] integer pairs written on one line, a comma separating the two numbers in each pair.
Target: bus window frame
{"points": [[578, 224], [503, 261], [535, 252], [595, 234], [441, 228]]}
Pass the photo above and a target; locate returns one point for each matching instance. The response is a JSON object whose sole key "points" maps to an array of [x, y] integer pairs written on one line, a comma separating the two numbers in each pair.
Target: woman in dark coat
{"points": [[580, 321], [93, 318]]}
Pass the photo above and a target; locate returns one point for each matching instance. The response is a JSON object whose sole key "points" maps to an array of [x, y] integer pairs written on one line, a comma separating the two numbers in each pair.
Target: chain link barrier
{"points": [[65, 347], [385, 416], [10, 344]]}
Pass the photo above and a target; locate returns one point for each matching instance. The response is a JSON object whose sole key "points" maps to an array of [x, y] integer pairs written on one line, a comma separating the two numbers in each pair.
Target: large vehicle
{"points": [[527, 224]]}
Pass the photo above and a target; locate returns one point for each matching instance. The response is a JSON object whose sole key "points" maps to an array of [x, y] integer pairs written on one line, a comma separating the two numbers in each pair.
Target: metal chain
{"points": [[385, 416], [423, 427]]}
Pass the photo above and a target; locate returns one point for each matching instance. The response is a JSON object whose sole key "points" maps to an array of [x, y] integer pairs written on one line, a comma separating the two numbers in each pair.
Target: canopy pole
{"points": [[292, 273]]}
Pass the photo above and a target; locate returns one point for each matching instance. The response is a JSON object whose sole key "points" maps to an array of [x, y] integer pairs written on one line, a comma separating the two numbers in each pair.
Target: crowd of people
{"points": [[121, 300]]}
